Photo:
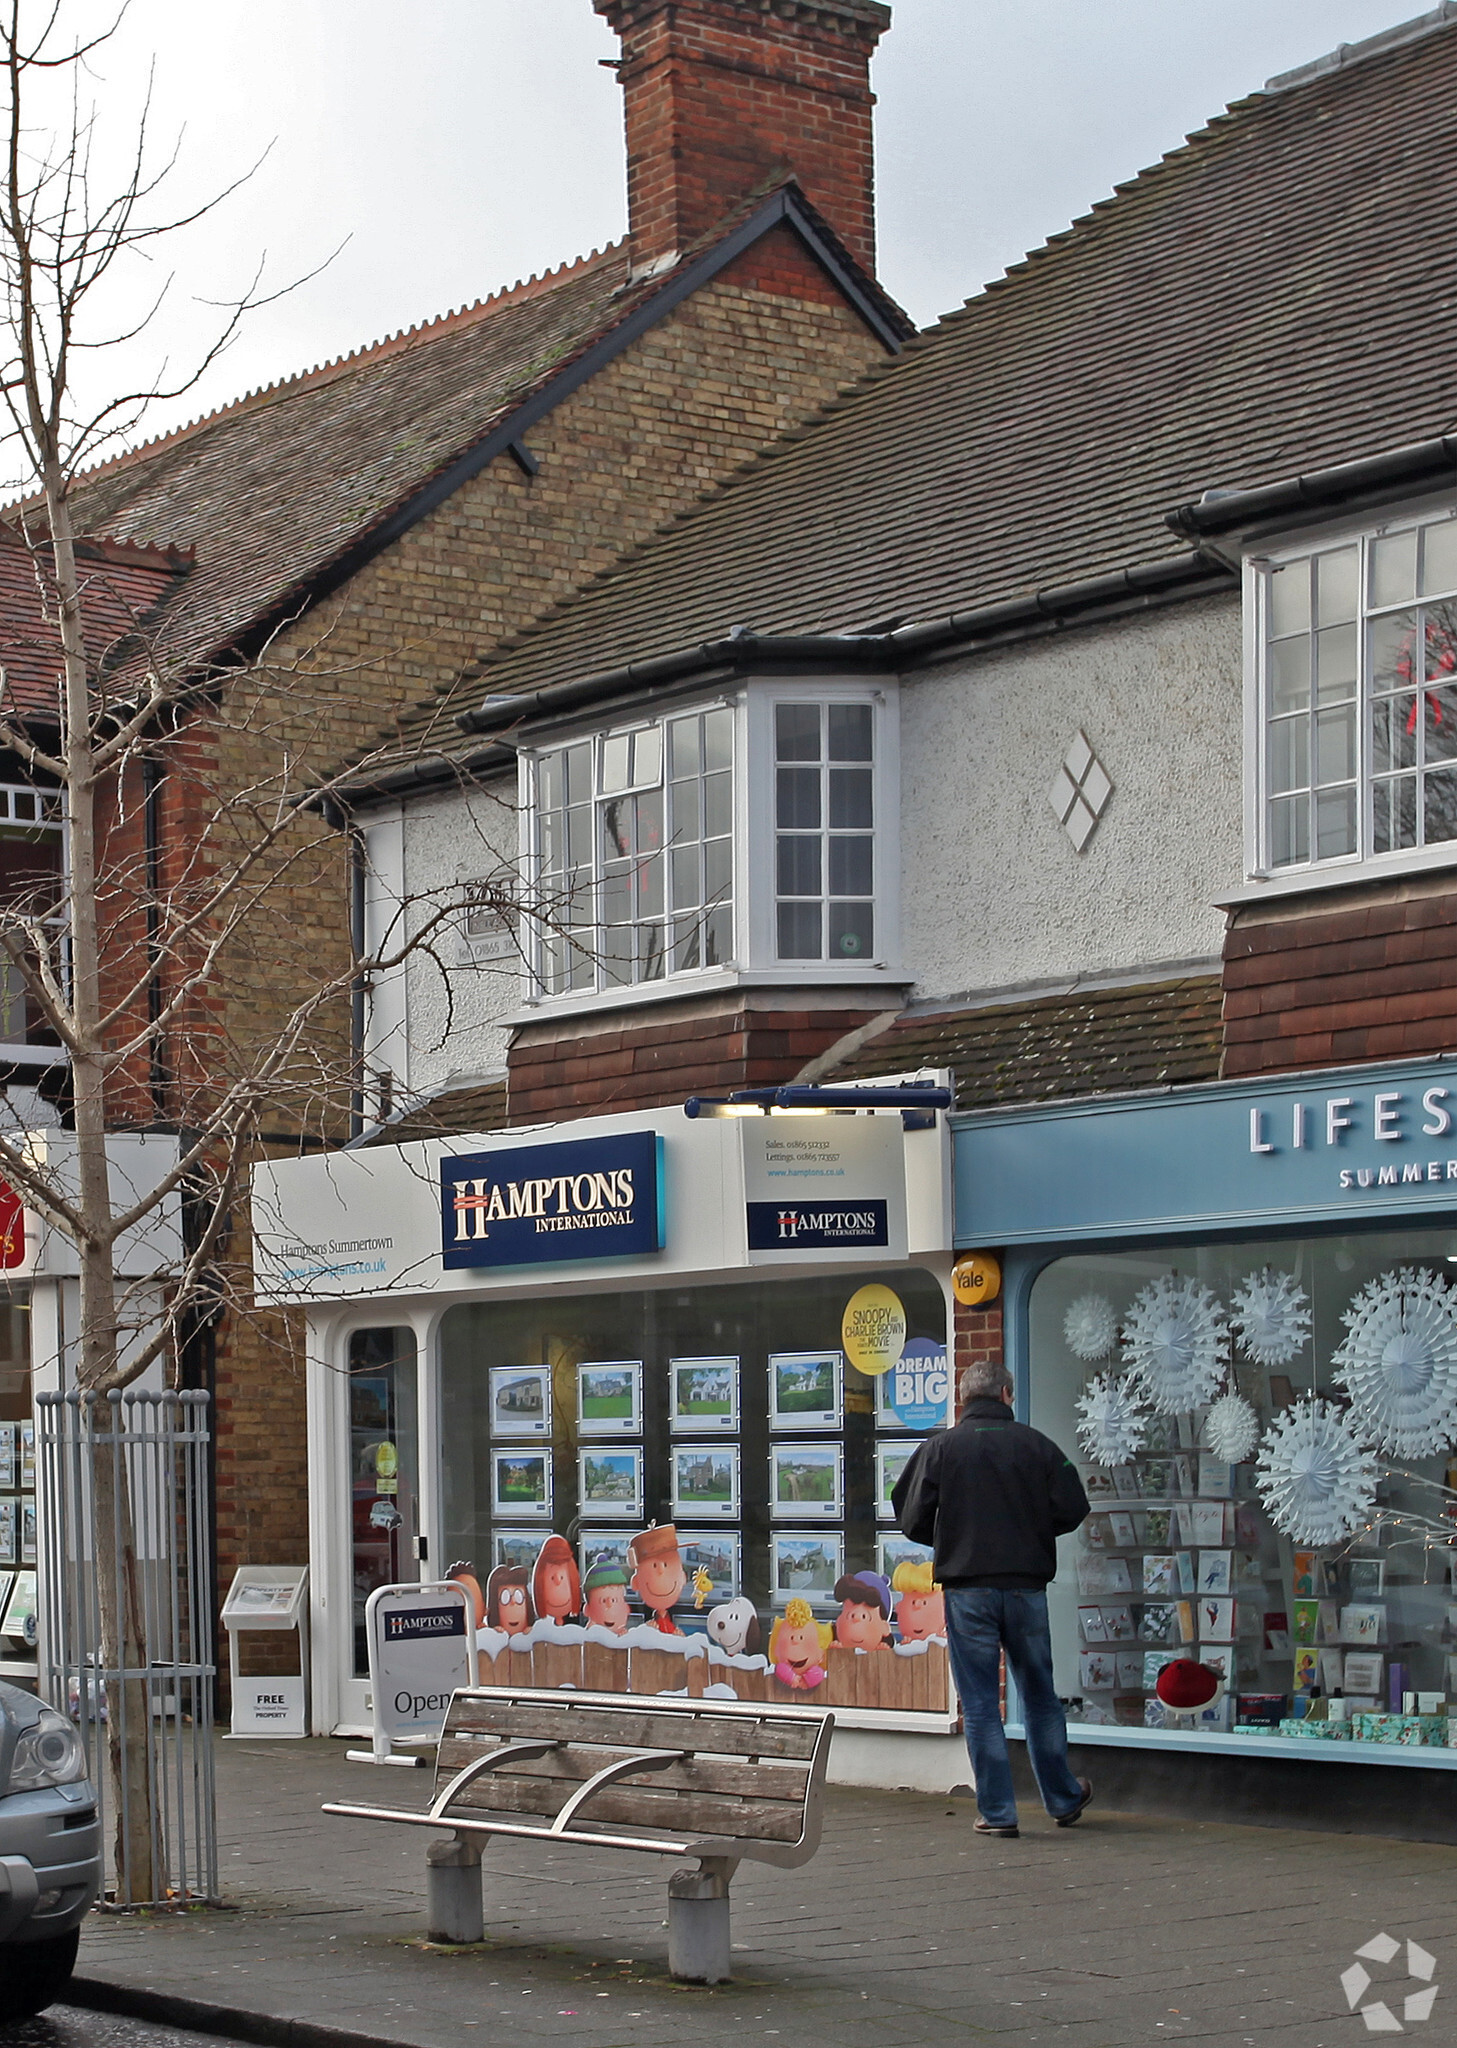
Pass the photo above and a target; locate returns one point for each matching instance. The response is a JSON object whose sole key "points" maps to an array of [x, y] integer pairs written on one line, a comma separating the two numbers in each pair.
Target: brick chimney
{"points": [[722, 94]]}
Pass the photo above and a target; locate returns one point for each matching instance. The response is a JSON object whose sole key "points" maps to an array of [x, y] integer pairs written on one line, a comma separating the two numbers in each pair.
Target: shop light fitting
{"points": [[916, 1102]]}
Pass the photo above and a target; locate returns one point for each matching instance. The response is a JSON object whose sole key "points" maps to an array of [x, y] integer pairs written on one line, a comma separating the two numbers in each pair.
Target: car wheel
{"points": [[33, 1974]]}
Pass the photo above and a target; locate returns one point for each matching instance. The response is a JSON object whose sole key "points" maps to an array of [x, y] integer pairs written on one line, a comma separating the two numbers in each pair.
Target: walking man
{"points": [[993, 1496]]}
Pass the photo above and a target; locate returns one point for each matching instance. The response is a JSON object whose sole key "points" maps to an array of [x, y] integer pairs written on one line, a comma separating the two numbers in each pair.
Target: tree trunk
{"points": [[129, 1748]]}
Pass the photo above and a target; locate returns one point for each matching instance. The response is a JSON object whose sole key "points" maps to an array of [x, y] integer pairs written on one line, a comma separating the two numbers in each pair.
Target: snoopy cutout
{"points": [[734, 1626]]}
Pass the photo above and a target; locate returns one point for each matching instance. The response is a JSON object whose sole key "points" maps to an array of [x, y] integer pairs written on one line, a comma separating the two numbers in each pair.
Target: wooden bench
{"points": [[668, 1777]]}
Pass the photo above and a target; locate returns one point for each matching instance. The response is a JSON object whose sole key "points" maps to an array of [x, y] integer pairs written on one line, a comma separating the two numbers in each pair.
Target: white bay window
{"points": [[1357, 697]]}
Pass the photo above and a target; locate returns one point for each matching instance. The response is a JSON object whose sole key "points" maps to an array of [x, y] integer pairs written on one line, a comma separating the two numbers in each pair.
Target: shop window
{"points": [[1179, 1558], [693, 1477], [1357, 686], [384, 1499], [19, 1537], [32, 857]]}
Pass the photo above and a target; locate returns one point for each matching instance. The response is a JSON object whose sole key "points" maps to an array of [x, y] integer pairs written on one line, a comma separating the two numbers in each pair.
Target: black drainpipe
{"points": [[159, 1077]]}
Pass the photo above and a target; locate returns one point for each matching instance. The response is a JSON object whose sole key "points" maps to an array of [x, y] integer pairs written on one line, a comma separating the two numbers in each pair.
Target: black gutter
{"points": [[786, 205], [434, 771], [1391, 474], [158, 1077], [1135, 588]]}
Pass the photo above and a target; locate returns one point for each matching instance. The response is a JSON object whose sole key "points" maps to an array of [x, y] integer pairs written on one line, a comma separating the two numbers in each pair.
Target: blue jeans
{"points": [[981, 1621]]}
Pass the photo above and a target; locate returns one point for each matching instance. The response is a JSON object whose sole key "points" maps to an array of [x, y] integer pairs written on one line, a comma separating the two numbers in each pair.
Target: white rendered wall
{"points": [[1000, 899], [454, 1000]]}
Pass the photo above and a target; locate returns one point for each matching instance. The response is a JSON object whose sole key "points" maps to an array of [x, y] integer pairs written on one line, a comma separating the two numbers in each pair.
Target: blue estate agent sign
{"points": [[595, 1198], [1345, 1144], [816, 1226]]}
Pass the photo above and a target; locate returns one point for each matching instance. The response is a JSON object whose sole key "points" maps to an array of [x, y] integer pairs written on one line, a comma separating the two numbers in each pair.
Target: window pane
{"points": [[649, 820], [852, 867], [683, 747], [550, 841], [1394, 813], [1289, 830], [851, 799], [1394, 568], [549, 781], [616, 829], [1393, 651], [1289, 675], [1335, 587], [799, 931], [650, 961], [1335, 823], [647, 757], [687, 942], [718, 937], [1439, 559], [1335, 745], [577, 769], [798, 866], [1393, 732], [852, 931], [616, 898], [850, 732], [799, 797], [1289, 588], [650, 887], [797, 732], [718, 739], [718, 869], [1335, 664], [579, 836], [1441, 806], [1440, 736], [718, 804], [1439, 625], [615, 760], [685, 811], [685, 877], [1289, 754]]}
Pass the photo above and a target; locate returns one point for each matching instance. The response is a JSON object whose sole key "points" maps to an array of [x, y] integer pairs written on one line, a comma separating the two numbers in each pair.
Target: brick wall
{"points": [[1367, 972], [662, 1053], [977, 1337], [721, 94]]}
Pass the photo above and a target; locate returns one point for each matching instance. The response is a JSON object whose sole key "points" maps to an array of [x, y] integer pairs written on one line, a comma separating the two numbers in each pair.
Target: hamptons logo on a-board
{"points": [[592, 1198], [420, 1652]]}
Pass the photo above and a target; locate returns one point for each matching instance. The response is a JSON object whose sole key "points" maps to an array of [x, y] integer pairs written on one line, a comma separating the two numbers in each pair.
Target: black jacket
{"points": [[993, 1496]]}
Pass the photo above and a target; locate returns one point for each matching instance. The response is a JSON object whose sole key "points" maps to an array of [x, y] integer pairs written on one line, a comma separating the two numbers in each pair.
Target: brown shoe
{"points": [[1066, 1820], [984, 1827]]}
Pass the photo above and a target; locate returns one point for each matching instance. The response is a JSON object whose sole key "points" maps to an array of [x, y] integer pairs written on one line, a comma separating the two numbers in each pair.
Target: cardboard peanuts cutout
{"points": [[797, 1646], [556, 1589], [920, 1608], [658, 1577], [863, 1622], [464, 1576], [734, 1626], [508, 1600], [605, 1588]]}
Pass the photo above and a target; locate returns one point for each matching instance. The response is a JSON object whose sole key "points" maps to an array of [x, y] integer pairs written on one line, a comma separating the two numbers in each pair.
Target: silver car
{"points": [[50, 1852]]}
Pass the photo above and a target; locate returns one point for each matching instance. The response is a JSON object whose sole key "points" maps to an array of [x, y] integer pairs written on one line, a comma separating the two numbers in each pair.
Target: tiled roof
{"points": [[476, 1106], [120, 584], [1093, 1042], [1276, 295]]}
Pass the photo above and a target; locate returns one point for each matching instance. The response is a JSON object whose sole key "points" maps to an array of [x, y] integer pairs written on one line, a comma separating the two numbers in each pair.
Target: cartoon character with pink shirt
{"points": [[797, 1646]]}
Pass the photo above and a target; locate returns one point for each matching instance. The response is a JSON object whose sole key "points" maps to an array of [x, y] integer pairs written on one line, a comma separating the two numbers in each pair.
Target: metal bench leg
{"points": [[698, 1921], [453, 1891]]}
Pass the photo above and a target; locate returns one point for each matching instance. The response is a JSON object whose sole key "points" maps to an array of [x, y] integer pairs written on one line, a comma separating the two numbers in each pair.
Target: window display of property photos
{"points": [[709, 1492], [19, 1533], [1239, 1352]]}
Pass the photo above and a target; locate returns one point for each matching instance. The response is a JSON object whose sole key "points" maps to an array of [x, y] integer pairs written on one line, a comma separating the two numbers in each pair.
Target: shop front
{"points": [[643, 1385], [1236, 1306]]}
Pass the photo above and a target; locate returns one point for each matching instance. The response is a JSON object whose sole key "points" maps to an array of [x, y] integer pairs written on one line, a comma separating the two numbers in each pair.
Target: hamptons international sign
{"points": [[593, 1198], [816, 1185]]}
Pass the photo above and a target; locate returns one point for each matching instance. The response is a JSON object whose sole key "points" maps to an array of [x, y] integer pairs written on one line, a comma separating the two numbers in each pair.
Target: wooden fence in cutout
{"points": [[878, 1679]]}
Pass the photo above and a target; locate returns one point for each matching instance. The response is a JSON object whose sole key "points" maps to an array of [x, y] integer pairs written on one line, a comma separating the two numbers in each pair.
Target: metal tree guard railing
{"points": [[126, 1620]]}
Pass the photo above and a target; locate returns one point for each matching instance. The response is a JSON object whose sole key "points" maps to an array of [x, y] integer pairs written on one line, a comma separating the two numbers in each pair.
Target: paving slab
{"points": [[907, 1928]]}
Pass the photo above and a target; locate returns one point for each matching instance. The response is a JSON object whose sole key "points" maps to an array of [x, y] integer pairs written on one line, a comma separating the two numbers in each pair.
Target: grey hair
{"points": [[985, 1381]]}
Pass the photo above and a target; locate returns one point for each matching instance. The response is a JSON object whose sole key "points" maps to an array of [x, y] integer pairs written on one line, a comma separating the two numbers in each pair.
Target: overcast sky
{"points": [[452, 146]]}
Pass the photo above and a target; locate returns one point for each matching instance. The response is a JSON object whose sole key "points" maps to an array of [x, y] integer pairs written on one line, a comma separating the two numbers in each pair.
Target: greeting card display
{"points": [[1098, 1484], [1097, 1671], [1158, 1475], [609, 1398], [1186, 1572], [1153, 1663], [1216, 1621], [1101, 1574], [1362, 1672], [1307, 1574], [1363, 1624], [1215, 1571], [1188, 1624], [1130, 1669], [520, 1397], [1127, 1483], [1306, 1620], [1307, 1670], [1120, 1525], [1095, 1534], [1156, 1528], [1216, 1478], [1366, 1577], [1160, 1622], [1118, 1621], [703, 1395], [1207, 1523], [1091, 1625], [1160, 1574]]}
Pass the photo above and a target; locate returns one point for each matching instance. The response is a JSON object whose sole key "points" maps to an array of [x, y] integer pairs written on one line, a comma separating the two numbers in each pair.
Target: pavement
{"points": [[907, 1928]]}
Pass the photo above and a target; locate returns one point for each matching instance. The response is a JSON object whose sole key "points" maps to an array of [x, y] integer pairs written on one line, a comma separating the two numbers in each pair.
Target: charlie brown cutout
{"points": [[658, 1577]]}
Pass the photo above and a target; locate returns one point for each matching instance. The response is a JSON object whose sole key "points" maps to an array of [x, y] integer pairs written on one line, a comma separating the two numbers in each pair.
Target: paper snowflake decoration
{"points": [[1090, 1326], [1314, 1475], [1231, 1429], [1112, 1423], [1270, 1314], [1175, 1344], [1398, 1362]]}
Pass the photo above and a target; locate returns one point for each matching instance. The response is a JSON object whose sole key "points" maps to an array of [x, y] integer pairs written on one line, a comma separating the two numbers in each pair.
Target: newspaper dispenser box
{"points": [[268, 1596]]}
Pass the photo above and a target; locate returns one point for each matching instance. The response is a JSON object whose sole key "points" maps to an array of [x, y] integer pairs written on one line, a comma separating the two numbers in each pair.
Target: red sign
{"points": [[12, 1230]]}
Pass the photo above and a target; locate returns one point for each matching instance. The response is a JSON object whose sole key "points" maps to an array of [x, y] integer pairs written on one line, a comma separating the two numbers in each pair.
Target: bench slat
{"points": [[629, 1729], [770, 1780], [708, 1813]]}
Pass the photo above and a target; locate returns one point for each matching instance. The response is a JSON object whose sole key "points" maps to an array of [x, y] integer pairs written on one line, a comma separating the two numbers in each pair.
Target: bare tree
{"points": [[126, 968]]}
